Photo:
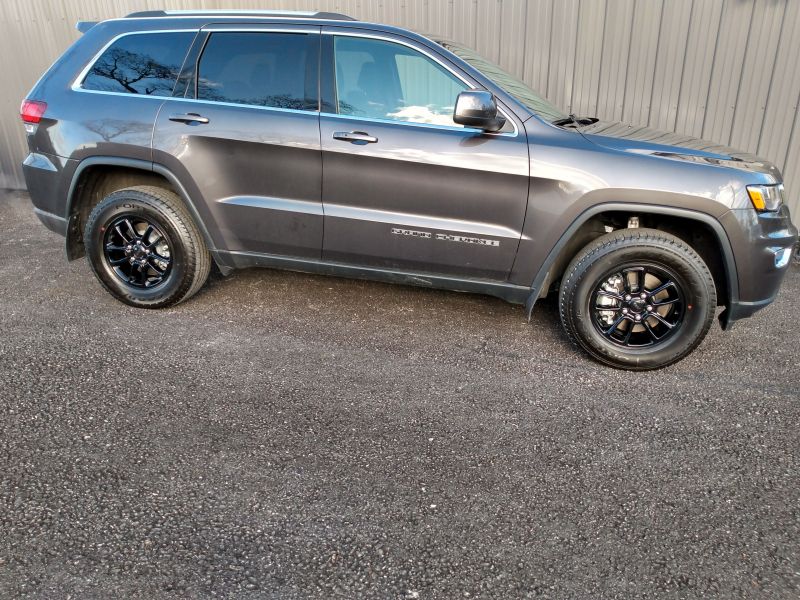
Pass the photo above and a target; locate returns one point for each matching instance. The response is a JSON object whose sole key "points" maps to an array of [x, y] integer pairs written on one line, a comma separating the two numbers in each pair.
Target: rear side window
{"points": [[142, 63], [262, 69]]}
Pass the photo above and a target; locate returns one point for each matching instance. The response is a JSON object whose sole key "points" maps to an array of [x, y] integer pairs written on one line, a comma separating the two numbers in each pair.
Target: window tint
{"points": [[384, 80], [142, 63], [263, 69]]}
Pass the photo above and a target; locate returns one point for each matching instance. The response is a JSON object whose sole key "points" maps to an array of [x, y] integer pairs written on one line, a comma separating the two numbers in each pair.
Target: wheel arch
{"points": [[97, 175], [575, 237]]}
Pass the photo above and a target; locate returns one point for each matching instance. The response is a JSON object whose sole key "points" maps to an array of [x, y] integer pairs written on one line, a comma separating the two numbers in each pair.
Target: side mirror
{"points": [[478, 108]]}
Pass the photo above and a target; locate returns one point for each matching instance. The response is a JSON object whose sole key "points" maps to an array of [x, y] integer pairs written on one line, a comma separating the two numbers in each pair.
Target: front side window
{"points": [[142, 63], [259, 69], [384, 80]]}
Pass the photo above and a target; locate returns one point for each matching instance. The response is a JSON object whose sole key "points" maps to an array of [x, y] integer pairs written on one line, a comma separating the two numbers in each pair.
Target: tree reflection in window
{"points": [[259, 69], [146, 64]]}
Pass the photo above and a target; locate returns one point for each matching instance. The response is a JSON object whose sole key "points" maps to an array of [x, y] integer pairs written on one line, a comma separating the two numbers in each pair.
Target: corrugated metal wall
{"points": [[727, 70]]}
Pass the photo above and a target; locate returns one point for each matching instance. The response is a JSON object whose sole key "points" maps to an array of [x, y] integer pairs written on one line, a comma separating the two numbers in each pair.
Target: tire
{"points": [[170, 262], [637, 299]]}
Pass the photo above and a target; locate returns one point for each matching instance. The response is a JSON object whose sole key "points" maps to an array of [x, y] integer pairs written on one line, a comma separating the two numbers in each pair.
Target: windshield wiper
{"points": [[575, 121]]}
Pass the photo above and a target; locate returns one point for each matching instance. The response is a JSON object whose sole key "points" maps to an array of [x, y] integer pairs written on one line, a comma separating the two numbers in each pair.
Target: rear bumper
{"points": [[762, 244], [45, 178], [51, 221]]}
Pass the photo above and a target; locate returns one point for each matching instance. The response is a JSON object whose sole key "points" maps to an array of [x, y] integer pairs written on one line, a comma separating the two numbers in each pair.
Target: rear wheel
{"points": [[637, 299], [145, 248]]}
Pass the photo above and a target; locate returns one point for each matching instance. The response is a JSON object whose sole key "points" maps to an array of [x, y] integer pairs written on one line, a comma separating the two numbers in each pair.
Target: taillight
{"points": [[32, 110]]}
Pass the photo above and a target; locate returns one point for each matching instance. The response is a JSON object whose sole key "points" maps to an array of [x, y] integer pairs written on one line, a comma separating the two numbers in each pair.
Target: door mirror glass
{"points": [[478, 109]]}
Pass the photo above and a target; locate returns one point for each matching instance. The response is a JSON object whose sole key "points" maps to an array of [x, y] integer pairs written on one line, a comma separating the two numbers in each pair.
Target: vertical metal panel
{"points": [[726, 70], [488, 29], [670, 60], [538, 41], [757, 70], [645, 40], [615, 57], [588, 52], [696, 78], [562, 52], [513, 22]]}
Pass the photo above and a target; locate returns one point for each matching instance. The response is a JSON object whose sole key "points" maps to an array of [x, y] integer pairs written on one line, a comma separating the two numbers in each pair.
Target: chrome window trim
{"points": [[237, 105], [456, 128], [440, 62], [77, 84]]}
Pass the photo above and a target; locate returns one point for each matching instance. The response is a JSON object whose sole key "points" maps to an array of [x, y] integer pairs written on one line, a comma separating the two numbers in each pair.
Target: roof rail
{"points": [[241, 13]]}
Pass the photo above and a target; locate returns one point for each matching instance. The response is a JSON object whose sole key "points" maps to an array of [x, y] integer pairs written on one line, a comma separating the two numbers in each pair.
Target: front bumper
{"points": [[762, 244]]}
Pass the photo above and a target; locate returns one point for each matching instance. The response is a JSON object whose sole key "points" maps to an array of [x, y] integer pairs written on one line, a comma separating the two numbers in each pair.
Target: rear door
{"points": [[404, 187], [246, 133]]}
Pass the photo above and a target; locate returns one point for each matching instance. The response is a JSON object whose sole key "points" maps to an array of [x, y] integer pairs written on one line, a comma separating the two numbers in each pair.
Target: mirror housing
{"points": [[478, 108]]}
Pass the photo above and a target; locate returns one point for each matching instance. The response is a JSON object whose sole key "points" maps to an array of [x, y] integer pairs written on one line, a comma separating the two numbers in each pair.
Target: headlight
{"points": [[766, 198]]}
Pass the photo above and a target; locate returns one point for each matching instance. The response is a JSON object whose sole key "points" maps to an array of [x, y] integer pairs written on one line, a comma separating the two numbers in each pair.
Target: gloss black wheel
{"points": [[138, 251], [145, 248], [637, 299], [638, 305]]}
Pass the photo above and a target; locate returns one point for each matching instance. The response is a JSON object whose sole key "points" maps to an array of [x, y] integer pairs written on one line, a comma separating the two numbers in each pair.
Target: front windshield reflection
{"points": [[511, 84]]}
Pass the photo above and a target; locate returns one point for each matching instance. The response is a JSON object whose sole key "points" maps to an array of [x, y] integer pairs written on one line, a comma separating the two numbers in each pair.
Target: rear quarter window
{"points": [[141, 63]]}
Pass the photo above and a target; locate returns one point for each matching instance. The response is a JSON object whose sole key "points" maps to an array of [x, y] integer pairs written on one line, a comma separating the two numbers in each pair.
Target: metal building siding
{"points": [[641, 66], [615, 55], [696, 77], [726, 70]]}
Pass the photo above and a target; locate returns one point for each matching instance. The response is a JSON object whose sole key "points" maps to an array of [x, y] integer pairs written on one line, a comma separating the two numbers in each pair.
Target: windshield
{"points": [[512, 85]]}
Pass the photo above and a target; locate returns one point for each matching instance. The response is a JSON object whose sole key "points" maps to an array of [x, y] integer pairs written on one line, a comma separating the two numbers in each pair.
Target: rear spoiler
{"points": [[84, 26]]}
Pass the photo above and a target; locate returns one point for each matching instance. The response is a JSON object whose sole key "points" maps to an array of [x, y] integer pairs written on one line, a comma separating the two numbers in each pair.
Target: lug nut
{"points": [[643, 295], [649, 308], [627, 298], [638, 317], [625, 311]]}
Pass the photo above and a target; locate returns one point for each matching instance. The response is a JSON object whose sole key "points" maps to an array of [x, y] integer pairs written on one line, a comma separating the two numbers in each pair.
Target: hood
{"points": [[675, 146]]}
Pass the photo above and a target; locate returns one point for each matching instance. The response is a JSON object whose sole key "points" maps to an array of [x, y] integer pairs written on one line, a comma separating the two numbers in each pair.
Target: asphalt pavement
{"points": [[284, 435]]}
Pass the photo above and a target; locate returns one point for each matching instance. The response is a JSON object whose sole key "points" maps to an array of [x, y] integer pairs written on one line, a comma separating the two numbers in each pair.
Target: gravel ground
{"points": [[291, 436]]}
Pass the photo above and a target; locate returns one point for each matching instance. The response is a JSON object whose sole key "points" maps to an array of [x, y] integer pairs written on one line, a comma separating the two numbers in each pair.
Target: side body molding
{"points": [[722, 237]]}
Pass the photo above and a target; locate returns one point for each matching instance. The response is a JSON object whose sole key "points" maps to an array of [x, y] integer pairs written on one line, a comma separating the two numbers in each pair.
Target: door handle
{"points": [[189, 118], [355, 137]]}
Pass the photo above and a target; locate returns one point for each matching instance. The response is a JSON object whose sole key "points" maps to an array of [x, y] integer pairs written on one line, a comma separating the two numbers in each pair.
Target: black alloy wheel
{"points": [[637, 299], [638, 305], [138, 251], [145, 248]]}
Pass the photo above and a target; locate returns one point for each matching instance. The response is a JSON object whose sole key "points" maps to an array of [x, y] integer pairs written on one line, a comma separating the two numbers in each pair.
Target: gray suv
{"points": [[162, 143]]}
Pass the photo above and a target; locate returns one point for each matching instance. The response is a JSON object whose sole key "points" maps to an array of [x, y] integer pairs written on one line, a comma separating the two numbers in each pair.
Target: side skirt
{"points": [[515, 294]]}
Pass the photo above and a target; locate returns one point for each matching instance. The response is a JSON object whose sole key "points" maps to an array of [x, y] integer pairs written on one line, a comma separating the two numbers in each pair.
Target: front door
{"points": [[404, 187], [247, 134]]}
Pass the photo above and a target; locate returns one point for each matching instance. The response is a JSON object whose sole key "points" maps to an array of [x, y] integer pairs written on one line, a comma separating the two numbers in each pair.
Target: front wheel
{"points": [[637, 299]]}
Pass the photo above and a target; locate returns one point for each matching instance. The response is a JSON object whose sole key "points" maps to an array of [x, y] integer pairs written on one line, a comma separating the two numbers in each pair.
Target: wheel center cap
{"points": [[137, 250], [638, 305]]}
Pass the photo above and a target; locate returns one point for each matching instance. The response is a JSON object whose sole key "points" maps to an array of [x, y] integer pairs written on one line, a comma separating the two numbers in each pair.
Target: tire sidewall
{"points": [[135, 204], [693, 327]]}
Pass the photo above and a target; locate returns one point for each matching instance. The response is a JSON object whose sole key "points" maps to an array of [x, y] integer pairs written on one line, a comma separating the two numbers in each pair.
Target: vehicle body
{"points": [[319, 178]]}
